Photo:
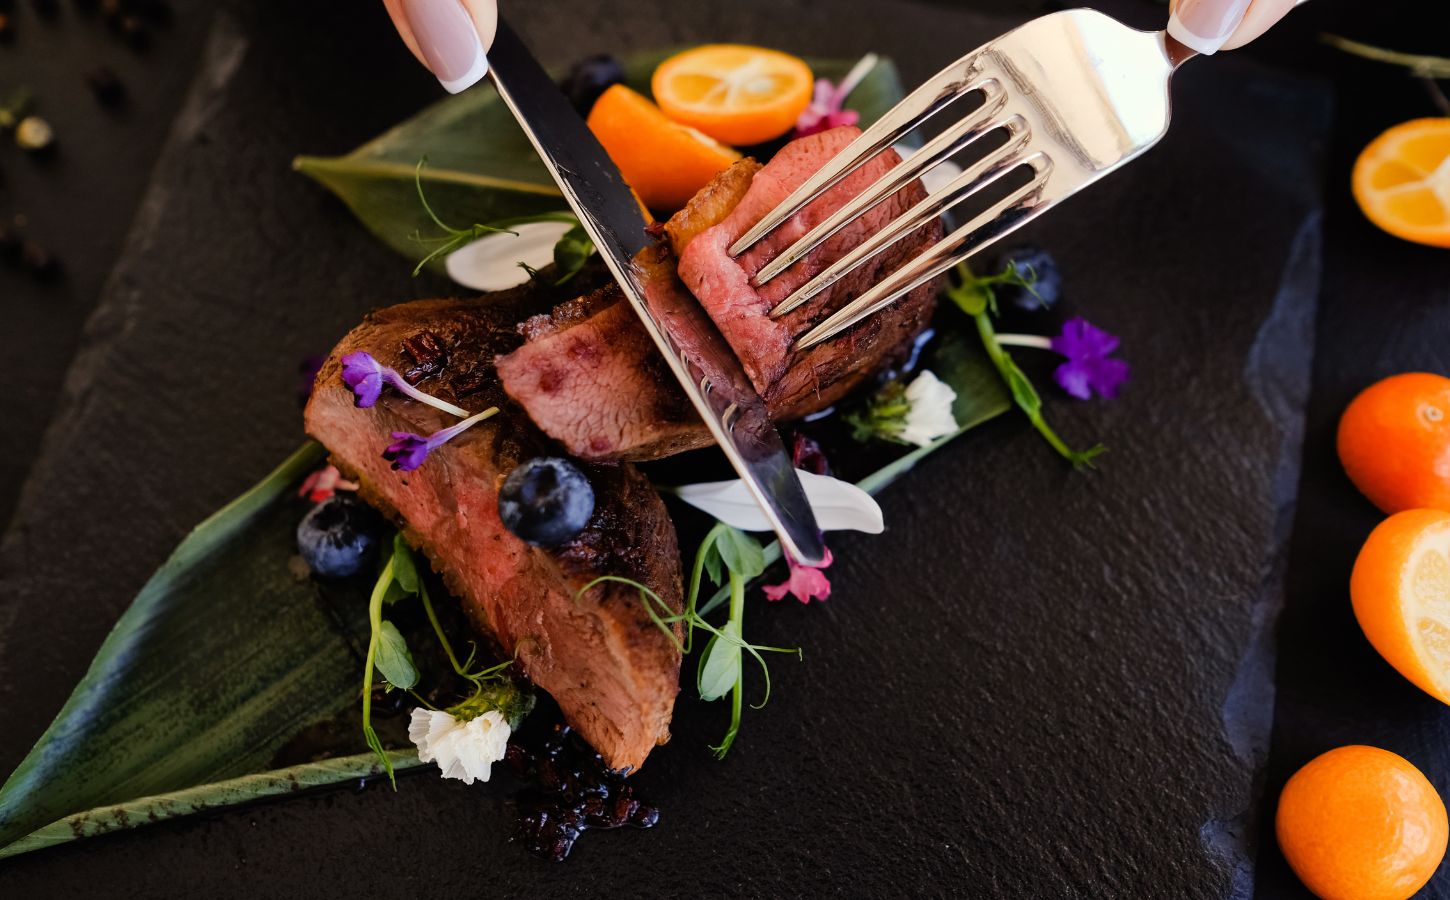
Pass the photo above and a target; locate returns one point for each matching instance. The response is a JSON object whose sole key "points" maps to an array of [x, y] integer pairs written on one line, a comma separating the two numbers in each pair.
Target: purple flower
{"points": [[365, 377], [409, 451], [1088, 367]]}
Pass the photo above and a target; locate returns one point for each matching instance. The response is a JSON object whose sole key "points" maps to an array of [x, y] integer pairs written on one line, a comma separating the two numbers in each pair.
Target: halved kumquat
{"points": [[1402, 181], [735, 93], [1400, 588]]}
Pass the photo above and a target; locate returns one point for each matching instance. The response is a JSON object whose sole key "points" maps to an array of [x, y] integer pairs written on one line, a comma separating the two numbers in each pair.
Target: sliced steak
{"points": [[797, 383], [589, 376], [611, 669]]}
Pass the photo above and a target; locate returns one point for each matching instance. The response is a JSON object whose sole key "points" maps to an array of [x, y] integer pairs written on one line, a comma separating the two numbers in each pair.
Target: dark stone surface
{"points": [[1036, 683]]}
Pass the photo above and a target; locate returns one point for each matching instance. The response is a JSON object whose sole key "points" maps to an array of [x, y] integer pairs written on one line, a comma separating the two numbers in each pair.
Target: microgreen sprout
{"points": [[975, 297], [727, 556], [571, 251], [388, 653]]}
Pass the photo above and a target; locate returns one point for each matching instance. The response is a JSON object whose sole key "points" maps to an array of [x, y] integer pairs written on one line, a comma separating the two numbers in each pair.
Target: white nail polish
{"points": [[1206, 25], [449, 41]]}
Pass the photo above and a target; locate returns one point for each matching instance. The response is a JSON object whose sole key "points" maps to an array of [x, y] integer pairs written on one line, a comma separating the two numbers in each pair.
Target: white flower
{"points": [[838, 505], [463, 750], [491, 263], [930, 416]]}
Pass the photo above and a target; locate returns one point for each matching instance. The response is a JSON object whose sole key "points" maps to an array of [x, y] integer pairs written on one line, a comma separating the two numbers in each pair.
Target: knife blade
{"points": [[703, 362]]}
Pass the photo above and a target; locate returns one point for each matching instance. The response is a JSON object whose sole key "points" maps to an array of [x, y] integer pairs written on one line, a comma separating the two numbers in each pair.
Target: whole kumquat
{"points": [[1394, 442], [1360, 823]]}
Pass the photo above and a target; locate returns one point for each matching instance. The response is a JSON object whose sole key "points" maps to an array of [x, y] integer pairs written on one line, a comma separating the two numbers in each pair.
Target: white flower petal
{"points": [[930, 416], [838, 505], [492, 263], [462, 750]]}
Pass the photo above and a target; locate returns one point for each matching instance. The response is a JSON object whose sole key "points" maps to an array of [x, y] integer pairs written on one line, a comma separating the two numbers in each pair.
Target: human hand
{"points": [[450, 37], [1212, 25]]}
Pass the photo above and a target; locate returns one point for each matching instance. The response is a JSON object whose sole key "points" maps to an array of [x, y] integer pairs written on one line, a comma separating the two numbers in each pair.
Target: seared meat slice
{"points": [[586, 379], [795, 383], [611, 669], [591, 377]]}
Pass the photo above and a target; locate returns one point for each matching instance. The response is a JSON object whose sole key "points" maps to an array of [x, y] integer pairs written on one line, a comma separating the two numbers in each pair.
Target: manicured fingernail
{"points": [[449, 41], [1205, 25]]}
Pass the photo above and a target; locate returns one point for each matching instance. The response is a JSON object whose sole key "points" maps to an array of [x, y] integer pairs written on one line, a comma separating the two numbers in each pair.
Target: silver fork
{"points": [[1077, 94]]}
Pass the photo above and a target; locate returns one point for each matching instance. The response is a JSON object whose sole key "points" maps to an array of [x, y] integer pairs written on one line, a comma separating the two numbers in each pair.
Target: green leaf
{"points": [[222, 658], [740, 552], [572, 252], [232, 792], [394, 661], [481, 167], [405, 569], [713, 564], [720, 663]]}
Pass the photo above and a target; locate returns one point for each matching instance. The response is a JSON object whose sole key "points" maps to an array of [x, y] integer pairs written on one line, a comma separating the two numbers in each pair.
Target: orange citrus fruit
{"points": [[734, 93], [1394, 442], [1402, 181], [1360, 823], [1400, 588], [665, 162]]}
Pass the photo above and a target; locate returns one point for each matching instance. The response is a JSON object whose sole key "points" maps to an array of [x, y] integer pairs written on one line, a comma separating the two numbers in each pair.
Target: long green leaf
{"points": [[481, 167], [222, 658], [158, 808]]}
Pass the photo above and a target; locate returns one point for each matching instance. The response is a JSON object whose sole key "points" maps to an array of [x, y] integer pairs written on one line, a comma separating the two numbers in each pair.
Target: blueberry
{"points": [[339, 537], [589, 78], [1032, 263], [546, 501]]}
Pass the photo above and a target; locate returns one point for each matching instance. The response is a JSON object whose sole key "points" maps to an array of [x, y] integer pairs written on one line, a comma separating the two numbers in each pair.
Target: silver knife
{"points": [[706, 367]]}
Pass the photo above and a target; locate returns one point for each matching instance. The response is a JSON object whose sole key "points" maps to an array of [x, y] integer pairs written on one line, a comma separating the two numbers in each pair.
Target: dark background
{"points": [[1034, 684]]}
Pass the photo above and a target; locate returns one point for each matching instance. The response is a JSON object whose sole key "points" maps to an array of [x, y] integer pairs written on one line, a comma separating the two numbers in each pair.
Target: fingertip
{"points": [[1262, 16], [405, 30]]}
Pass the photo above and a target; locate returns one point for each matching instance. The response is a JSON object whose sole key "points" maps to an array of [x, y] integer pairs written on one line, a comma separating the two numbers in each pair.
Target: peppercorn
{"points": [[34, 134], [106, 86], [40, 261]]}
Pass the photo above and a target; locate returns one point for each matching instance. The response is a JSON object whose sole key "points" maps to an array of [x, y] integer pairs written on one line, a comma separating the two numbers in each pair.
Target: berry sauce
{"points": [[570, 791]]}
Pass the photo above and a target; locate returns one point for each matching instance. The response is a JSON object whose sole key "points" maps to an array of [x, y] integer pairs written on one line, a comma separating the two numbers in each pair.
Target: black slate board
{"points": [[1035, 683]]}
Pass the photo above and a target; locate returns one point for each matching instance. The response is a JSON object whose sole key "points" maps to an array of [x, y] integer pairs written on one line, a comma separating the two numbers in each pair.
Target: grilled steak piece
{"points": [[589, 377], [611, 669], [797, 383]]}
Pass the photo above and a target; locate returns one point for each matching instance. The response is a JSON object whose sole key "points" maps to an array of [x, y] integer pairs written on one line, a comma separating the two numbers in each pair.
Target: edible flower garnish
{"points": [[825, 110], [975, 297], [366, 377], [838, 505], [323, 483], [409, 451], [918, 413], [463, 748], [930, 415], [1089, 367], [805, 582]]}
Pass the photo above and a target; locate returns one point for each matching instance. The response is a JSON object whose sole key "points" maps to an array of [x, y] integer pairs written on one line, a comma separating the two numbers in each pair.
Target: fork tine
{"points": [[955, 81], [977, 176], [976, 235], [943, 146]]}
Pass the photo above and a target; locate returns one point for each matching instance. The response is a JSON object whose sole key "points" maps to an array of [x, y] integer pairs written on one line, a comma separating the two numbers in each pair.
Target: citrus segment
{"points": [[1400, 588], [1402, 181], [732, 92], [1361, 823], [665, 162]]}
